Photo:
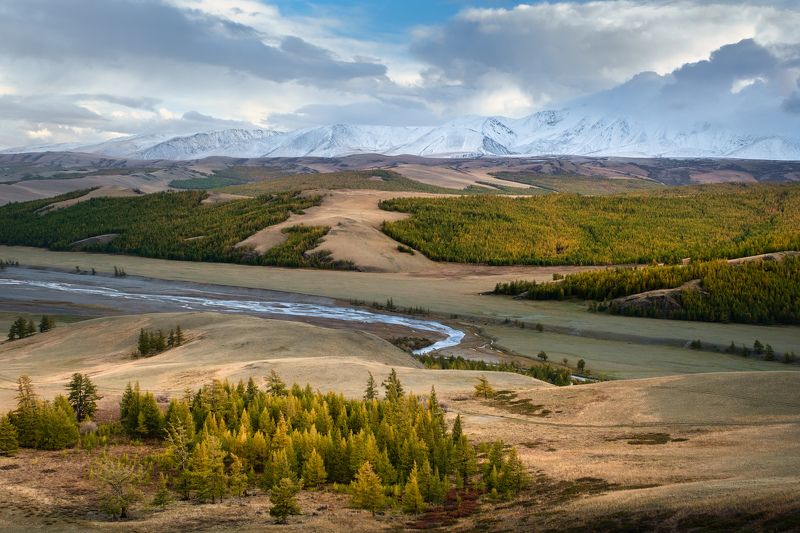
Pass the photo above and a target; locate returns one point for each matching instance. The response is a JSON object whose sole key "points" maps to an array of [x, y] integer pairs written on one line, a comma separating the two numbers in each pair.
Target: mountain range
{"points": [[639, 118]]}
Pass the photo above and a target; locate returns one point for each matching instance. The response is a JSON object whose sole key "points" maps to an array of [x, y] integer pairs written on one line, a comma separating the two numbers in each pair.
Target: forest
{"points": [[699, 222], [167, 225], [751, 292], [227, 440]]}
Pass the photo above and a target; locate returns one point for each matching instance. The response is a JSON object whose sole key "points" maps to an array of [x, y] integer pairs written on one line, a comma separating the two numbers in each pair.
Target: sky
{"points": [[89, 70]]}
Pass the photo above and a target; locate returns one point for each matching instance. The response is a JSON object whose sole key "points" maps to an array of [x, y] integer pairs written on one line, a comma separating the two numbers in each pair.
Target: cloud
{"points": [[392, 112], [792, 102], [111, 32], [562, 50]]}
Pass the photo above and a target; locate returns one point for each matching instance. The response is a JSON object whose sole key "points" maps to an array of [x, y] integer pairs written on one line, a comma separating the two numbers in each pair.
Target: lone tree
{"points": [[284, 502], [275, 384], [82, 396], [581, 365], [394, 389], [120, 479], [367, 489], [371, 392], [483, 389], [542, 355]]}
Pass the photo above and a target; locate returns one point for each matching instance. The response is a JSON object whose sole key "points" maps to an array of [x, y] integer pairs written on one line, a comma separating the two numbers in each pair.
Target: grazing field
{"points": [[760, 291], [375, 179], [618, 358], [164, 225], [448, 289], [577, 184], [220, 346], [699, 222]]}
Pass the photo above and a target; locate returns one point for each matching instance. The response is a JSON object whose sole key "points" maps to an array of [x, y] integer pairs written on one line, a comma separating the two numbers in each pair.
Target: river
{"points": [[133, 294]]}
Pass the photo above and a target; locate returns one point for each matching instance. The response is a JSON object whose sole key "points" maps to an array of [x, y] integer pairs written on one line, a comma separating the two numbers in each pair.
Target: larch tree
{"points": [[412, 497], [275, 384], [119, 479], [82, 396], [314, 473], [483, 389], [394, 389], [367, 490], [283, 499], [371, 392], [9, 443]]}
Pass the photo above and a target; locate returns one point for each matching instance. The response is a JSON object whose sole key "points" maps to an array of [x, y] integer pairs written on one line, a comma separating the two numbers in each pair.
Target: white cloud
{"points": [[143, 66]]}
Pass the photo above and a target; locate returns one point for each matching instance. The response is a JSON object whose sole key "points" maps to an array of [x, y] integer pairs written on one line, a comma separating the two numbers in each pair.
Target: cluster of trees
{"points": [[166, 225], [702, 222], [764, 351], [155, 342], [754, 292], [546, 372], [226, 439], [47, 425], [396, 451], [22, 328]]}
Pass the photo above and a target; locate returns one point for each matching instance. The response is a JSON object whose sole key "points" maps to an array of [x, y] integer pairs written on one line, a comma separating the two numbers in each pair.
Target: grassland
{"points": [[652, 347], [376, 179], [578, 184], [706, 222]]}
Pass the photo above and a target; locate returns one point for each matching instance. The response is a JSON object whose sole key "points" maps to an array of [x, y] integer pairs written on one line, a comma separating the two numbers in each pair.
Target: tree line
{"points": [[22, 328], [750, 292], [556, 375], [701, 222], [155, 342], [167, 225]]}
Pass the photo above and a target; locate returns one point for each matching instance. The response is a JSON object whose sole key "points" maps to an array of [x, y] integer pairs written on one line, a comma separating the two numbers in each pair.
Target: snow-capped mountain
{"points": [[581, 130]]}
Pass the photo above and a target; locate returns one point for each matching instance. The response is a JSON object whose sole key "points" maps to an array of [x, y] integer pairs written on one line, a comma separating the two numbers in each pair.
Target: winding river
{"points": [[147, 295]]}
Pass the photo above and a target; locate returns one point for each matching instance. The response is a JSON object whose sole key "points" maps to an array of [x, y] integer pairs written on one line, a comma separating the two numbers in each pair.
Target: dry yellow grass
{"points": [[355, 235], [455, 289], [219, 346]]}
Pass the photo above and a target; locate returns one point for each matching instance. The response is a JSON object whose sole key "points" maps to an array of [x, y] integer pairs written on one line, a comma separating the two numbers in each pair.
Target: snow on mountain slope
{"points": [[232, 142], [585, 129]]}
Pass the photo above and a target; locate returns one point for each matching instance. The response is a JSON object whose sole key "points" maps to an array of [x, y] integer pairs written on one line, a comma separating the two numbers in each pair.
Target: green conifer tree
{"points": [[82, 396], [371, 392], [314, 473], [412, 498], [483, 389], [367, 490], [283, 499], [9, 443], [394, 389], [275, 384]]}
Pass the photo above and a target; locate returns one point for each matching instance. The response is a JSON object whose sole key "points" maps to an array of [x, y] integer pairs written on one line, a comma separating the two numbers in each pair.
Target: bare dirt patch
{"points": [[452, 177], [354, 220]]}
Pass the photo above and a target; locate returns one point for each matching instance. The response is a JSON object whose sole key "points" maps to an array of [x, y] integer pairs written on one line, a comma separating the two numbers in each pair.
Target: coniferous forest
{"points": [[701, 222], [751, 292], [226, 439], [167, 225]]}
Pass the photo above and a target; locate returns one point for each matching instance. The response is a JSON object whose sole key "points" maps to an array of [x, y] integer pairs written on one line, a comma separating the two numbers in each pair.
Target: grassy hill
{"points": [[758, 291], [704, 222], [375, 179], [164, 225]]}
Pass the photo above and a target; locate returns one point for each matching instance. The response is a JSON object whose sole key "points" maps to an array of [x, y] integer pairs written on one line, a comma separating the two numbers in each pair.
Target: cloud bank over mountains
{"points": [[82, 71]]}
